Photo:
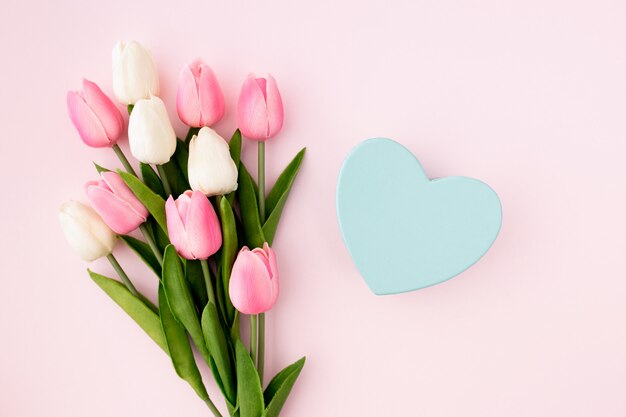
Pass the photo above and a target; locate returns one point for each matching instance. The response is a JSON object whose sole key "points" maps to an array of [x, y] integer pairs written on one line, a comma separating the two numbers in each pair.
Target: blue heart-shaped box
{"points": [[405, 231]]}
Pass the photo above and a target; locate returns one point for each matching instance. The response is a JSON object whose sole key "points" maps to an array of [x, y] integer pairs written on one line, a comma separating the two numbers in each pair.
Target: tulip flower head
{"points": [[199, 100], [253, 284], [151, 136], [193, 226], [116, 203], [97, 119], [211, 169], [85, 231], [134, 72], [260, 108]]}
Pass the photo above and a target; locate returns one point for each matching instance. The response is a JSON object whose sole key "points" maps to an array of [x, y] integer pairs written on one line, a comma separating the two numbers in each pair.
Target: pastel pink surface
{"points": [[527, 96]]}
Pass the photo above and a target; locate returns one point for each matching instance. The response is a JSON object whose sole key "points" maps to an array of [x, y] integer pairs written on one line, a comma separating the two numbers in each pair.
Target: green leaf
{"points": [[235, 153], [147, 319], [179, 298], [178, 181], [195, 280], [216, 341], [248, 384], [101, 169], [249, 209], [153, 202], [143, 250], [182, 159], [279, 388], [179, 348], [159, 235], [228, 254], [152, 180], [277, 198]]}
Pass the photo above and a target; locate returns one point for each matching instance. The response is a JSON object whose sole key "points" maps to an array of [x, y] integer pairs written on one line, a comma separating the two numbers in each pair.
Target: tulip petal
{"points": [[176, 229], [203, 228], [211, 97], [211, 168], [86, 122], [85, 231], [251, 290], [187, 101], [252, 110], [150, 134], [275, 112], [108, 114], [119, 188], [115, 212]]}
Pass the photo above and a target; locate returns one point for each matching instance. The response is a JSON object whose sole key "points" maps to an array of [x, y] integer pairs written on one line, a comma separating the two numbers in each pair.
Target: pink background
{"points": [[529, 96]]}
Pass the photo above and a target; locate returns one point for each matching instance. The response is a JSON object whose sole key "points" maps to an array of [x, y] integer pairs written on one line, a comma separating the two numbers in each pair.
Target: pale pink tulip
{"points": [[253, 284], [260, 108], [116, 203], [199, 101], [193, 226], [97, 119]]}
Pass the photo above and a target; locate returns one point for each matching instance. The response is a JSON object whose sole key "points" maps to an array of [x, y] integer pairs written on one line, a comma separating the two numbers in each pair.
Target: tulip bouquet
{"points": [[205, 225]]}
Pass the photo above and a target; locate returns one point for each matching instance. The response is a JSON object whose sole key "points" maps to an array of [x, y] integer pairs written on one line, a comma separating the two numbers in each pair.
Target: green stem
{"points": [[124, 160], [166, 183], [207, 280], [261, 197], [146, 234], [253, 336], [128, 283], [213, 408], [261, 340]]}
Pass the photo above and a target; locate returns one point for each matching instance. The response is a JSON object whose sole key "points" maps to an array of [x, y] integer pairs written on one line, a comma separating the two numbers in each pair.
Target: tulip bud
{"points": [[211, 169], [151, 136], [116, 203], [260, 108], [98, 121], [199, 100], [253, 284], [85, 231], [193, 226], [134, 72]]}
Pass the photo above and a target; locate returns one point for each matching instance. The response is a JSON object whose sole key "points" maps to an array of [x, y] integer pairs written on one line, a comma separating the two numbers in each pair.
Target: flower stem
{"points": [[261, 340], [124, 160], [128, 283], [146, 234], [213, 408], [253, 336], [166, 183], [207, 280]]}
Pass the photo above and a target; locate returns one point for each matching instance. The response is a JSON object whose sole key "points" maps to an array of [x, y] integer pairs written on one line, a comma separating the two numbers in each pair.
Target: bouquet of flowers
{"points": [[207, 225]]}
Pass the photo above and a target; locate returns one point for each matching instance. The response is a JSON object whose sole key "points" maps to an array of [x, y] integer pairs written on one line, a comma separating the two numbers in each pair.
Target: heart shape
{"points": [[405, 231]]}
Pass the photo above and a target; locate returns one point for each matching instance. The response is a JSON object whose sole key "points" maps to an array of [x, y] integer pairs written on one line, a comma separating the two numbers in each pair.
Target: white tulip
{"points": [[85, 231], [211, 169], [134, 72], [151, 136]]}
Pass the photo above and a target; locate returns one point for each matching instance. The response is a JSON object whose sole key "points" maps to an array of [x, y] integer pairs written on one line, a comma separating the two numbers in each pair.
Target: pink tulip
{"points": [[193, 226], [253, 284], [98, 121], [260, 108], [116, 203], [199, 100]]}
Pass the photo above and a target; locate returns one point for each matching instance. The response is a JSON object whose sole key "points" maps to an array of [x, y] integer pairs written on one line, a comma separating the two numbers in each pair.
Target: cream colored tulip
{"points": [[85, 231], [134, 72], [151, 136], [211, 169]]}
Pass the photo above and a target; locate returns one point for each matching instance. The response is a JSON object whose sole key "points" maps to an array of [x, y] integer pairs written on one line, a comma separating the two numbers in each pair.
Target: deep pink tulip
{"points": [[193, 226], [260, 108], [116, 203], [97, 119], [253, 284], [199, 101]]}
